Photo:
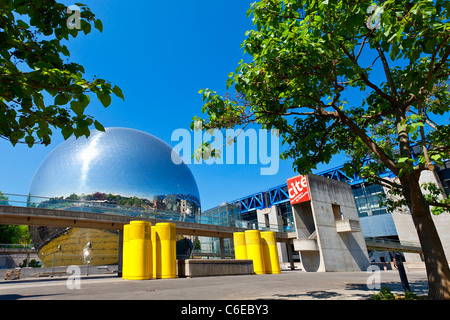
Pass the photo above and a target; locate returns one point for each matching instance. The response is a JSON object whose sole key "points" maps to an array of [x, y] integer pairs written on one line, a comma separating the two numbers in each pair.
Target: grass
{"points": [[386, 294]]}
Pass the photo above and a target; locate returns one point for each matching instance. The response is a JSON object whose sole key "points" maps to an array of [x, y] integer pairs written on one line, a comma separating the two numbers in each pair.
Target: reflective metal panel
{"points": [[120, 168], [122, 161]]}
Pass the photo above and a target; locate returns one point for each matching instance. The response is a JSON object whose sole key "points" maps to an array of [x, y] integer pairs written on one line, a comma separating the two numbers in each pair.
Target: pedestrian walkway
{"points": [[289, 285]]}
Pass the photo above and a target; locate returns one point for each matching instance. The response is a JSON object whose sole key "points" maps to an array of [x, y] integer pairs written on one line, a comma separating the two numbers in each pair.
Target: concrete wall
{"points": [[213, 267], [337, 251], [14, 260], [407, 231], [270, 219]]}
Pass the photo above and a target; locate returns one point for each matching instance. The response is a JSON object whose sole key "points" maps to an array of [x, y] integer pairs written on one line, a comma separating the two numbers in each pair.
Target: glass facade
{"points": [[444, 176], [375, 220], [227, 214], [285, 210], [378, 226], [249, 220], [120, 171], [367, 199]]}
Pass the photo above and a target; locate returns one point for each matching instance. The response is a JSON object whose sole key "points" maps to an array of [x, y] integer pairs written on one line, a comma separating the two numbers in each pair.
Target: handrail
{"points": [[392, 241], [16, 246], [98, 206]]}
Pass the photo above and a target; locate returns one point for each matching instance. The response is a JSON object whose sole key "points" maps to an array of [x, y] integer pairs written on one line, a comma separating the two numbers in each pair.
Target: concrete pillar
{"points": [[290, 255], [222, 248], [120, 262], [327, 239]]}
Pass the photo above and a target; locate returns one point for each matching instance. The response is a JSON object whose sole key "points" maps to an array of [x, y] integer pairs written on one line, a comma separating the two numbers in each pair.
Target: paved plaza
{"points": [[289, 285]]}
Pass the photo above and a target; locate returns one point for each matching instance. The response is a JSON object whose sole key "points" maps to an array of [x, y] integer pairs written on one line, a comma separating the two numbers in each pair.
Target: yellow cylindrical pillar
{"points": [[140, 248], [270, 252], [254, 250], [240, 250], [166, 235], [148, 249], [156, 249], [125, 251]]}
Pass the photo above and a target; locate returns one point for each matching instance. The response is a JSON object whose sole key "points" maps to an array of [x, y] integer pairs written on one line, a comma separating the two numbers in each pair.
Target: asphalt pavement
{"points": [[289, 285]]}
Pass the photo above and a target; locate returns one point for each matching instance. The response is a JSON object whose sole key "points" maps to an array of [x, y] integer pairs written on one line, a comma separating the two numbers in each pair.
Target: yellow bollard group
{"points": [[240, 250], [261, 247], [166, 251], [149, 251], [270, 252], [254, 250], [125, 250]]}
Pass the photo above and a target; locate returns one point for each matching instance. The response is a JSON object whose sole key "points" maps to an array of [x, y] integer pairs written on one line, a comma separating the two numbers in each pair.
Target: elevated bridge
{"points": [[16, 249], [77, 219], [392, 245]]}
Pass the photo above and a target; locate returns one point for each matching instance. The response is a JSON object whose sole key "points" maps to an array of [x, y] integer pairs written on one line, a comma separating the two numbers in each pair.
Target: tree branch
{"points": [[438, 204], [389, 183], [366, 79], [390, 164], [387, 71], [432, 70]]}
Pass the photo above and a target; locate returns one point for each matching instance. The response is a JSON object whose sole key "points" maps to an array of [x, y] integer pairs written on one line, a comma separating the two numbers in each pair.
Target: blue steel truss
{"points": [[253, 202], [280, 194]]}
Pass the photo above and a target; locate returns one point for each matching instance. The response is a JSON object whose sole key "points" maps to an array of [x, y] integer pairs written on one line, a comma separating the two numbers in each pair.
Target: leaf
{"points": [[86, 26], [249, 12], [67, 131], [23, 24], [62, 99], [29, 140], [429, 45], [105, 99], [98, 25], [99, 126], [42, 65], [77, 107], [65, 51], [118, 92], [229, 82], [84, 100]]}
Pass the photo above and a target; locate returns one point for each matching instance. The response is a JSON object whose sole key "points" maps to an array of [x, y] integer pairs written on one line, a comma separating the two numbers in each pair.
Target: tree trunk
{"points": [[436, 263]]}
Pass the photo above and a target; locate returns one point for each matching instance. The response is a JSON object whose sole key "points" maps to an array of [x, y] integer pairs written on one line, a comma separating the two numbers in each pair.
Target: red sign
{"points": [[298, 189]]}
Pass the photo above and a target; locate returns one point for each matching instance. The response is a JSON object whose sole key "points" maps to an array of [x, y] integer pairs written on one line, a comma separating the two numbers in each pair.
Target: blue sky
{"points": [[160, 54]]}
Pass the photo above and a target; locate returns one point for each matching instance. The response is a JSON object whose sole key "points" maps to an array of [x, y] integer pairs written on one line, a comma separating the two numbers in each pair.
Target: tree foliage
{"points": [[311, 60], [39, 87], [14, 234], [308, 59]]}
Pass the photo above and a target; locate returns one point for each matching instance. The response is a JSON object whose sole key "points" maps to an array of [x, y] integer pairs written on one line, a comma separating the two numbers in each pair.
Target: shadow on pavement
{"points": [[19, 296]]}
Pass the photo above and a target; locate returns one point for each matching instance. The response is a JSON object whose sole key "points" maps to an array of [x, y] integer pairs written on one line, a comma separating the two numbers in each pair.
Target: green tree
{"points": [[14, 234], [35, 69], [309, 57], [4, 200]]}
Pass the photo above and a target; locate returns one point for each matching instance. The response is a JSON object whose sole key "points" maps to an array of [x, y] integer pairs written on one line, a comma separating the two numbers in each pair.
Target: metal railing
{"points": [[16, 246], [393, 245], [100, 206]]}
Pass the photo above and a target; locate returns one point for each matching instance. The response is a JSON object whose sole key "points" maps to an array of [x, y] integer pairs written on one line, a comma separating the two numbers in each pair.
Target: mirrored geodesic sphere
{"points": [[120, 171]]}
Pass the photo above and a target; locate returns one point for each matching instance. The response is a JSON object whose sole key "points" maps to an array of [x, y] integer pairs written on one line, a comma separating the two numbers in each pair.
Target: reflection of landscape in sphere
{"points": [[122, 171]]}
